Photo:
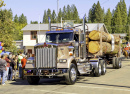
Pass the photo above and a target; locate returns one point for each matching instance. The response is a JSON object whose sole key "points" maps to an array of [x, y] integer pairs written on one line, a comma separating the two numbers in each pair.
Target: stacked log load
{"points": [[94, 43]]}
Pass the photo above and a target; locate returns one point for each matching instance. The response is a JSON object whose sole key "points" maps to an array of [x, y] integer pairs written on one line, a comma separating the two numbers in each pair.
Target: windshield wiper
{"points": [[57, 38]]}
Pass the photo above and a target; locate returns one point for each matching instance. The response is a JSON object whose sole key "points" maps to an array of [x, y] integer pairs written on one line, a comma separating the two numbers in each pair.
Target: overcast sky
{"points": [[34, 9]]}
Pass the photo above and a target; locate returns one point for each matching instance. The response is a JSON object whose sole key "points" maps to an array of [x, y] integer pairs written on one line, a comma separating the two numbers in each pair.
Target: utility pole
{"points": [[57, 11]]}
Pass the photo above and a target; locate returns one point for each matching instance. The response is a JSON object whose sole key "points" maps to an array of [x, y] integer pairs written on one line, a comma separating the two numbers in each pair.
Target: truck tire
{"points": [[103, 67], [118, 63], [97, 70], [71, 75], [33, 80], [114, 62]]}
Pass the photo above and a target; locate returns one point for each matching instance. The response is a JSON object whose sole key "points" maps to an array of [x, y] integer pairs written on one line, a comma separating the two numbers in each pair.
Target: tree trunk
{"points": [[95, 35], [94, 47]]}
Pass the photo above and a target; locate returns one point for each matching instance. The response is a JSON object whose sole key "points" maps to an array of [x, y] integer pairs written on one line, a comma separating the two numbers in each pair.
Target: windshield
{"points": [[59, 37]]}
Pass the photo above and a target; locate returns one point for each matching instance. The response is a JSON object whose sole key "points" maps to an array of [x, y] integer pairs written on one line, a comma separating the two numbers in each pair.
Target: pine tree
{"points": [[59, 15], [45, 17], [124, 16], [16, 19], [68, 12], [107, 20], [128, 25], [90, 16], [128, 18], [34, 22], [93, 16], [54, 17], [22, 19], [98, 13], [49, 14], [117, 21], [75, 14], [64, 13]]}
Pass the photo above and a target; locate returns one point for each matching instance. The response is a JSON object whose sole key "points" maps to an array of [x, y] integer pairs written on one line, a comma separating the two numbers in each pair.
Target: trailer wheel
{"points": [[71, 75], [33, 80], [118, 63], [97, 70], [103, 67], [114, 62]]}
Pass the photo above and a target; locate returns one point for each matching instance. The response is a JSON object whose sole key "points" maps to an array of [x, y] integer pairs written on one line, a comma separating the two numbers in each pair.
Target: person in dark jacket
{"points": [[3, 65], [12, 64]]}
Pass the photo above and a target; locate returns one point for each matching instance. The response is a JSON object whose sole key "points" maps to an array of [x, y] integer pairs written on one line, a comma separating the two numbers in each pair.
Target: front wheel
{"points": [[33, 80], [71, 75]]}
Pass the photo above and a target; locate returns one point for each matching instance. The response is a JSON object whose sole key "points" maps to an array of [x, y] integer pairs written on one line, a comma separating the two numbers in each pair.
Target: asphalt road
{"points": [[116, 81]]}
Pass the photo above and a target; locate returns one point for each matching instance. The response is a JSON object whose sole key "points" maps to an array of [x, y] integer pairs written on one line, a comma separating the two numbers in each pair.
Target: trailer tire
{"points": [[114, 62], [118, 63], [71, 76], [103, 67], [97, 70], [33, 80]]}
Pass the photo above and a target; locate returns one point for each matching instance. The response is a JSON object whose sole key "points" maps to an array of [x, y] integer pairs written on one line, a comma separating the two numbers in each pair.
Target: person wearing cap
{"points": [[23, 62], [3, 65]]}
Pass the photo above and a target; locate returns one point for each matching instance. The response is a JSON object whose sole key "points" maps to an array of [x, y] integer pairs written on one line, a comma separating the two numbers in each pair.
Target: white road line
{"points": [[102, 88], [50, 91]]}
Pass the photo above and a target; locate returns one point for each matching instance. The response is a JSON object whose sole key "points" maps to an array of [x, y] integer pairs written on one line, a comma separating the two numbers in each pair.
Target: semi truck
{"points": [[65, 54]]}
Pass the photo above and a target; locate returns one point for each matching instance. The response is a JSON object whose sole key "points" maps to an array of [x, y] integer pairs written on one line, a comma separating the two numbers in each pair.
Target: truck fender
{"points": [[94, 62], [71, 60]]}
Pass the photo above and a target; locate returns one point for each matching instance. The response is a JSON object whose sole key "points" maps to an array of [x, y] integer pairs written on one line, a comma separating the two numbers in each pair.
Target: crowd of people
{"points": [[10, 65]]}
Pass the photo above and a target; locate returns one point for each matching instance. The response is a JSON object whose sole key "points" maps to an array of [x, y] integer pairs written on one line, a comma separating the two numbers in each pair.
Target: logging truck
{"points": [[67, 53]]}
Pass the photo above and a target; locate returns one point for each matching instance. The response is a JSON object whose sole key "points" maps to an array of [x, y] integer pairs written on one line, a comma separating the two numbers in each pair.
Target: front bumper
{"points": [[42, 72]]}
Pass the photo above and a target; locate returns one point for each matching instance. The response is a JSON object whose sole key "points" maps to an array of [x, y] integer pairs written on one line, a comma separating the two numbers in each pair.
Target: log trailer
{"points": [[65, 54]]}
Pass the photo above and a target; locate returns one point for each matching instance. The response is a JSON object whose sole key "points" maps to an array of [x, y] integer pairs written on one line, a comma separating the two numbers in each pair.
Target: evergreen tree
{"points": [[16, 19], [128, 25], [45, 17], [22, 19], [64, 13], [75, 14], [59, 15], [98, 13], [68, 12], [124, 16], [117, 21], [54, 17], [128, 18], [107, 20], [34, 22], [49, 14], [92, 15]]}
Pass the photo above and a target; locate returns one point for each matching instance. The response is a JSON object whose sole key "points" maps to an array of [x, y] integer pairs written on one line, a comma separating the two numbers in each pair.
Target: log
{"points": [[94, 47], [95, 35]]}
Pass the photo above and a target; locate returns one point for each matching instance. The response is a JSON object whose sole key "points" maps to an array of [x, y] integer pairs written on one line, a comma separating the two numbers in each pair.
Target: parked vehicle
{"points": [[65, 54]]}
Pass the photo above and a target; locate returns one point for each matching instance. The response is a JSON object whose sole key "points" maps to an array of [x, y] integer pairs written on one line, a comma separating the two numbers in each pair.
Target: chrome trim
{"points": [[95, 64]]}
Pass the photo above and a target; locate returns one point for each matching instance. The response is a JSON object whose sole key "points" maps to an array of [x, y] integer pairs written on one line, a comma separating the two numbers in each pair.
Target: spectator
{"points": [[20, 65], [0, 56], [12, 64], [8, 65], [14, 68], [23, 62], [3, 64]]}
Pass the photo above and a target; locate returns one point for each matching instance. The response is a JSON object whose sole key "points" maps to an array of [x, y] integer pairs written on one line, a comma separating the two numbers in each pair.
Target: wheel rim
{"points": [[120, 63], [73, 74], [100, 69], [104, 67]]}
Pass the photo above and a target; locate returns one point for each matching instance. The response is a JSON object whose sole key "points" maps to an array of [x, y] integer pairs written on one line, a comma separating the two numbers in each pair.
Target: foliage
{"points": [[107, 20], [20, 51], [34, 22]]}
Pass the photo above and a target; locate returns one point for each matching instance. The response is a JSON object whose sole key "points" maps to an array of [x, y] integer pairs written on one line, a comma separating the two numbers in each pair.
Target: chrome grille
{"points": [[46, 57]]}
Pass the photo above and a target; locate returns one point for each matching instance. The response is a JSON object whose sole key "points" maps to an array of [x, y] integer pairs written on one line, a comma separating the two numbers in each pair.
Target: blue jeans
{"points": [[7, 73], [3, 73], [20, 71], [11, 73]]}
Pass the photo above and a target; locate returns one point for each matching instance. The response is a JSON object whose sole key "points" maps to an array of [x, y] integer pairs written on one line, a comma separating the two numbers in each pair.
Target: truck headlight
{"points": [[62, 60], [30, 61]]}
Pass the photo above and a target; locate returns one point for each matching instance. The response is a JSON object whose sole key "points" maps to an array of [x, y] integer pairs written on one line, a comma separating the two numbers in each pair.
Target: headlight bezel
{"points": [[62, 60]]}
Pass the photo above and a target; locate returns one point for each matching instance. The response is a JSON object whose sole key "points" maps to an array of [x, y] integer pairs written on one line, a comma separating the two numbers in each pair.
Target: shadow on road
{"points": [[104, 84]]}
